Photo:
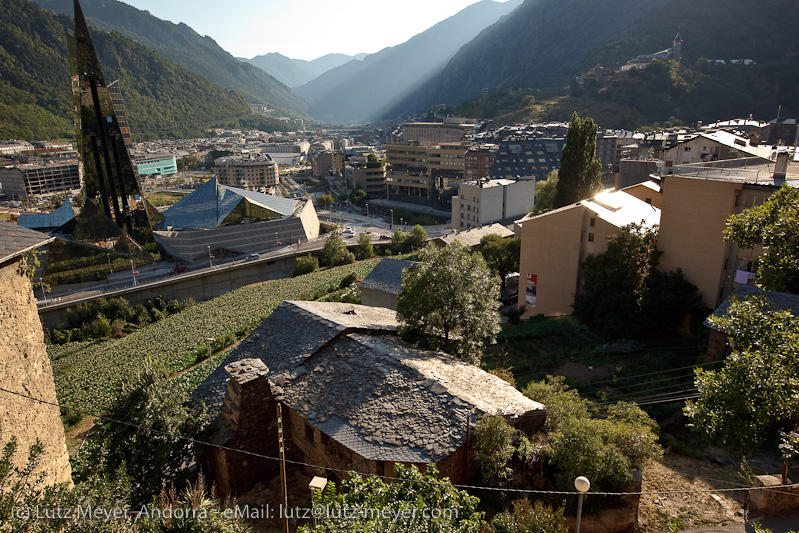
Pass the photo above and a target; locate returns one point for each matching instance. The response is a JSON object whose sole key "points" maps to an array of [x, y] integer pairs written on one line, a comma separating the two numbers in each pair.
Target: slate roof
{"points": [[343, 369], [780, 301], [16, 240], [472, 237], [386, 276]]}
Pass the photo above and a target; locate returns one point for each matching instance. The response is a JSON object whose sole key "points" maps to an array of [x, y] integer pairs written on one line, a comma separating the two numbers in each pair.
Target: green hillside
{"points": [[163, 100]]}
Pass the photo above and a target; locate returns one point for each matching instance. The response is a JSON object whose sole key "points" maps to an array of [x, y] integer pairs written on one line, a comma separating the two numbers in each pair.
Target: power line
{"points": [[391, 478]]}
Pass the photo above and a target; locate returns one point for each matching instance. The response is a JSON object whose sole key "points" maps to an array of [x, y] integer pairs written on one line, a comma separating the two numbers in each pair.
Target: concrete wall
{"points": [[200, 286], [518, 197], [25, 369], [375, 298]]}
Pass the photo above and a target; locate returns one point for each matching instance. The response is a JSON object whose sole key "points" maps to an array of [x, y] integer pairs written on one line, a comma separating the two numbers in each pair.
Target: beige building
{"points": [[327, 162], [433, 133], [368, 175], [251, 172], [478, 161], [697, 201], [484, 201], [713, 146], [555, 244]]}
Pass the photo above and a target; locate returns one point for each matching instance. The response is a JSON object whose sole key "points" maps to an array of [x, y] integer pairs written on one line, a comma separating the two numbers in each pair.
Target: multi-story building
{"points": [[434, 133], [555, 245], [327, 162], [286, 153], [162, 163], [248, 172], [478, 161], [713, 146], [418, 170], [484, 201], [526, 152], [45, 177], [369, 175]]}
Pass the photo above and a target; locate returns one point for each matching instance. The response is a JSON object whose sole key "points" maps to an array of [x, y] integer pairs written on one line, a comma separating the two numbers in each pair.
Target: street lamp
{"points": [[210, 258], [133, 272], [581, 484], [209, 340], [392, 219], [275, 239], [111, 270], [44, 294], [367, 209]]}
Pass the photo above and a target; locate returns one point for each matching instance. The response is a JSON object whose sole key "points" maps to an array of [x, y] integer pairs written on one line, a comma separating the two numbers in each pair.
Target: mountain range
{"points": [[294, 72], [185, 47], [361, 91]]}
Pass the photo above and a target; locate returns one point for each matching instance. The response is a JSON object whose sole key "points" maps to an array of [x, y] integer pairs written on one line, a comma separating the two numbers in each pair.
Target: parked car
{"points": [[179, 269], [252, 257]]}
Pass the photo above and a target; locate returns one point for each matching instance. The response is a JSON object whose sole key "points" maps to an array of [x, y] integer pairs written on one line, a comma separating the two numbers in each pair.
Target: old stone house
{"points": [[25, 371], [353, 397]]}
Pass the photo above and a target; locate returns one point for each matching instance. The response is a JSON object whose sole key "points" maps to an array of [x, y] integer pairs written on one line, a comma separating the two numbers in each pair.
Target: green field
{"points": [[160, 199], [87, 373]]}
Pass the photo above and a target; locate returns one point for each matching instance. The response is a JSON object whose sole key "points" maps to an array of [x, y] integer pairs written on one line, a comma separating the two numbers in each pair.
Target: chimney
{"points": [[781, 166]]}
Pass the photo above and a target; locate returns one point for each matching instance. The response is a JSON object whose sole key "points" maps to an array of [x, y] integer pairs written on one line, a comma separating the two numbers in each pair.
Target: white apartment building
{"points": [[486, 201]]}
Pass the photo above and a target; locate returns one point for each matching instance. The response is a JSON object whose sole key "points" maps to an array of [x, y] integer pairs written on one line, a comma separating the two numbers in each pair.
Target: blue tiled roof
{"points": [[54, 219]]}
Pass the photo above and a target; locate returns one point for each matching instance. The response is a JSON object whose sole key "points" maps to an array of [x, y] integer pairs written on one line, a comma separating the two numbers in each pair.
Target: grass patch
{"points": [[166, 198]]}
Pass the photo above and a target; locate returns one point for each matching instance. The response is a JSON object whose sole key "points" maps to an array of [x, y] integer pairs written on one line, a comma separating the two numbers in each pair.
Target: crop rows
{"points": [[172, 342]]}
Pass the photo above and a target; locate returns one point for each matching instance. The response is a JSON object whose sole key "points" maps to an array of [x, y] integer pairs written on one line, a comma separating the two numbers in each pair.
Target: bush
{"points": [[562, 403], [526, 518], [493, 447], [306, 265], [348, 280]]}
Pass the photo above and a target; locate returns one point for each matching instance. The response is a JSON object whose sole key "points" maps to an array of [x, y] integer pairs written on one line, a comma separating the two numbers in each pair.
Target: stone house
{"points": [[384, 283], [24, 367], [353, 397]]}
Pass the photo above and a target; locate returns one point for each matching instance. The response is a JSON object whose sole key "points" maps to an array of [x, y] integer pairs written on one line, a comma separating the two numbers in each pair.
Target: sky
{"points": [[304, 29]]}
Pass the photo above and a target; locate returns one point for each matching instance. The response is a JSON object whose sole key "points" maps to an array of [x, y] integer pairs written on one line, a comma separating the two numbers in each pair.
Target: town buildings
{"points": [[44, 177], [491, 200], [254, 172]]}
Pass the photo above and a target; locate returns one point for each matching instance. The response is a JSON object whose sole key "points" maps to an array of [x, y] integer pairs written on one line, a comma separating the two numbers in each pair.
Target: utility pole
{"points": [[281, 444]]}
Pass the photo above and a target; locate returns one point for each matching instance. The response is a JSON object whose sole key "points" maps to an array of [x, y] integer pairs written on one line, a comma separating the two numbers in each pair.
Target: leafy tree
{"points": [[152, 459], [306, 265], [335, 253], [615, 281], [358, 196], [580, 174], [364, 249], [326, 200], [370, 504], [397, 244], [415, 239], [449, 301], [775, 226], [501, 254], [757, 388], [561, 401], [545, 193]]}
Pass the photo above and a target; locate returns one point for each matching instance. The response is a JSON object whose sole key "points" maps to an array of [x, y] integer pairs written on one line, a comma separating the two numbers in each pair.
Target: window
{"points": [[309, 432], [590, 237], [593, 222]]}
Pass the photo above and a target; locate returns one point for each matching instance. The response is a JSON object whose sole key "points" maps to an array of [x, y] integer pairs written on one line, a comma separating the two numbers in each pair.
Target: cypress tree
{"points": [[580, 174]]}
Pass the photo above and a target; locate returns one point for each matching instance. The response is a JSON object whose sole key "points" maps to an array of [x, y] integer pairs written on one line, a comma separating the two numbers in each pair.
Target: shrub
{"points": [[562, 403], [306, 265], [348, 280], [493, 446], [526, 518], [505, 374]]}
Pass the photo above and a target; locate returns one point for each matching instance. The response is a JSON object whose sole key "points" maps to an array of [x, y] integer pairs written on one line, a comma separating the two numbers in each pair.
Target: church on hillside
{"points": [[670, 54]]}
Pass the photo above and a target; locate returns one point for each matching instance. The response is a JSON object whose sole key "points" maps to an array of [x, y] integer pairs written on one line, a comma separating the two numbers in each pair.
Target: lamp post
{"points": [[210, 258], [581, 484], [392, 219], [44, 294], [367, 209], [108, 256], [210, 341], [275, 239], [133, 272]]}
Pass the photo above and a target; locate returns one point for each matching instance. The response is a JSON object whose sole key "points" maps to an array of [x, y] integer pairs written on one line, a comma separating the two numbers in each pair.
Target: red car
{"points": [[179, 269]]}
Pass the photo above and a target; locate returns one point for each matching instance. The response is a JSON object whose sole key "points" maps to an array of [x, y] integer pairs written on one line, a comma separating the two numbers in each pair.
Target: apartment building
{"points": [[327, 162], [434, 133], [417, 170], [485, 201], [162, 163], [478, 160], [527, 154], [369, 175], [247, 171], [45, 177]]}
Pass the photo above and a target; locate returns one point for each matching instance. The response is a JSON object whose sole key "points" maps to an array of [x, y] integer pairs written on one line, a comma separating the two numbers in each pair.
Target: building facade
{"points": [[163, 164], [47, 177], [247, 172], [486, 201], [434, 133]]}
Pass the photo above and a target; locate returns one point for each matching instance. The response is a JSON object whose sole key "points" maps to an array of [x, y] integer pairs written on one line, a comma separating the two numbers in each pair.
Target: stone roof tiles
{"points": [[16, 240], [386, 276]]}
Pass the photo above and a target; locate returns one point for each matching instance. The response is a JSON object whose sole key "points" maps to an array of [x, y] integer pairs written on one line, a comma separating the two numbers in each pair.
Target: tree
{"points": [[527, 518], [370, 504], [615, 281], [501, 254], [334, 252], [774, 225], [305, 265], [364, 249], [449, 301], [325, 200], [358, 196], [397, 244], [758, 386], [545, 193], [415, 239], [580, 174], [151, 459]]}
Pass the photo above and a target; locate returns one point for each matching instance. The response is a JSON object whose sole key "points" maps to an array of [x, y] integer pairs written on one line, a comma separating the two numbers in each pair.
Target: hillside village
{"points": [[431, 324]]}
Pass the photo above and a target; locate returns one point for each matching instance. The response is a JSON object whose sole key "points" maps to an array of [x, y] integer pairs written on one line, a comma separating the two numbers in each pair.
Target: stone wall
{"points": [[25, 369], [775, 500]]}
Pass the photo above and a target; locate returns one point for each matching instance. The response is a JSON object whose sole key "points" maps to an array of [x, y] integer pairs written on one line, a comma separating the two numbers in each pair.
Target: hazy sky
{"points": [[304, 29]]}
